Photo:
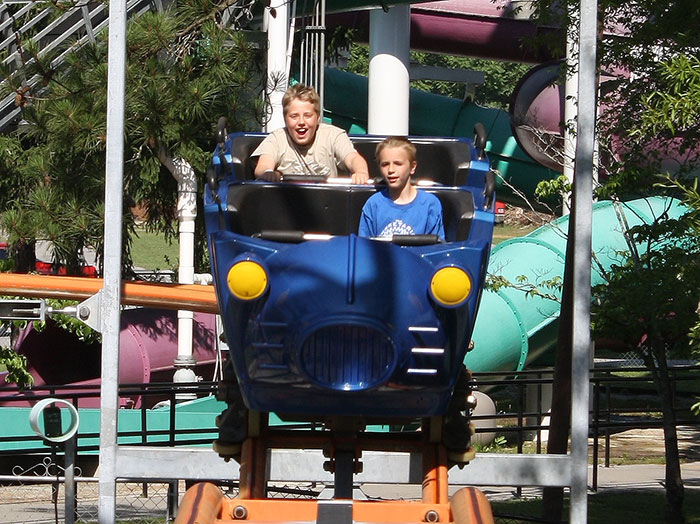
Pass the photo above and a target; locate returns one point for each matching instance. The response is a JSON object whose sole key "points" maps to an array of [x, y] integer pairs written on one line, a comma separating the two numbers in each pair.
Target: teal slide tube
{"points": [[513, 330]]}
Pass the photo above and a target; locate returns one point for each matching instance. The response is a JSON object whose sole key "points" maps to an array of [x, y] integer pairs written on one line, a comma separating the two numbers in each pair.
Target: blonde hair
{"points": [[303, 93], [397, 141]]}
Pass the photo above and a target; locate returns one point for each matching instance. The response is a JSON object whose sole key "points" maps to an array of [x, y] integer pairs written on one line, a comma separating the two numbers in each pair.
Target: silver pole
{"points": [[583, 183], [111, 291], [69, 482]]}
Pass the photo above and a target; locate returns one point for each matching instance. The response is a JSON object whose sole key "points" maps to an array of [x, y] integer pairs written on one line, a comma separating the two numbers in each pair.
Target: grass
{"points": [[506, 231], [152, 251], [641, 507]]}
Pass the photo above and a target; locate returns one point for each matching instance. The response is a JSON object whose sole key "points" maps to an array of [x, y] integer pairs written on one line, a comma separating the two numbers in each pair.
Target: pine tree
{"points": [[184, 70]]}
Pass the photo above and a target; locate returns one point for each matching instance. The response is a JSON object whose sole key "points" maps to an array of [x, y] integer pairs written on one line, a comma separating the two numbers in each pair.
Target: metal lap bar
{"points": [[291, 237], [410, 240]]}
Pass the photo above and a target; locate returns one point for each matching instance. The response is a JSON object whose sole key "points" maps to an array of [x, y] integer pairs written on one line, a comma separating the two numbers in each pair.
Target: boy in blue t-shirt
{"points": [[400, 209]]}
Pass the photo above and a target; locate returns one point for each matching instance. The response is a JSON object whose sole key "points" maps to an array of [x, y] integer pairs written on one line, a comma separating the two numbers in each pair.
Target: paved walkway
{"points": [[643, 476], [628, 477]]}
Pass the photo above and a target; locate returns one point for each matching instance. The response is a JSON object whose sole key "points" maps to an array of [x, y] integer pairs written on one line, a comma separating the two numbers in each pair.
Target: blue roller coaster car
{"points": [[322, 322]]}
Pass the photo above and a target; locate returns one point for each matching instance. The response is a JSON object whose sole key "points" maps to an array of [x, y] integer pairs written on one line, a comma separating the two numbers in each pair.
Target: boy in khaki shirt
{"points": [[307, 146]]}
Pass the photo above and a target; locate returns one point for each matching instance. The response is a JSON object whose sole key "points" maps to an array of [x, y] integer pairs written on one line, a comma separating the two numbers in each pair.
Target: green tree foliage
{"points": [[184, 69], [673, 107], [16, 366], [651, 297]]}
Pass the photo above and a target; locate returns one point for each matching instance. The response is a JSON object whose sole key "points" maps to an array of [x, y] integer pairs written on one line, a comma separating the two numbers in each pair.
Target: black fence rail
{"points": [[622, 399]]}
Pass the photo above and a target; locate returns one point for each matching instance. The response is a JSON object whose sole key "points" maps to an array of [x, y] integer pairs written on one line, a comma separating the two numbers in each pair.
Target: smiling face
{"points": [[301, 121], [396, 167]]}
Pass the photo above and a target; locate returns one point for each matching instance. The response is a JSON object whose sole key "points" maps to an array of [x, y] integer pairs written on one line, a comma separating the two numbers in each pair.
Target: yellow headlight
{"points": [[450, 286], [247, 280]]}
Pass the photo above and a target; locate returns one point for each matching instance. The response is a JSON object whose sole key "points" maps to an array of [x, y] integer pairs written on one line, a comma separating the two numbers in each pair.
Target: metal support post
{"points": [[583, 211], [69, 479], [388, 87], [276, 18], [111, 291], [344, 471]]}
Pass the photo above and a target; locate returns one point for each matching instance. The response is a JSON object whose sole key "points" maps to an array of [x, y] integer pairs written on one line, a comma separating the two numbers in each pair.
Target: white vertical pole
{"points": [[388, 93], [69, 479], [186, 214], [583, 212], [111, 290], [277, 17]]}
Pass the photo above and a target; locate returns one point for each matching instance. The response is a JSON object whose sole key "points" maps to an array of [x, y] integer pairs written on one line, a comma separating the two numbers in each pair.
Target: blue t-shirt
{"points": [[381, 217]]}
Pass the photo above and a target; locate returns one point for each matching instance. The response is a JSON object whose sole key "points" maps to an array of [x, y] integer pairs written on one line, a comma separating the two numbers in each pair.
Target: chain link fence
{"points": [[36, 495], [41, 500]]}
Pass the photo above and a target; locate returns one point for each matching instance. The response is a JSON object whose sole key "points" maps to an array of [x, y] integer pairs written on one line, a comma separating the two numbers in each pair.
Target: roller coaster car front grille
{"points": [[349, 358]]}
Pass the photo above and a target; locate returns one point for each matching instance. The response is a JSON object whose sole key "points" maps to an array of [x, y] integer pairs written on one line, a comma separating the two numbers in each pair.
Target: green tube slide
{"points": [[513, 330]]}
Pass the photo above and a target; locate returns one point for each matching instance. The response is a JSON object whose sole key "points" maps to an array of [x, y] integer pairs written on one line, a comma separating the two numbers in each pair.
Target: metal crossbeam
{"points": [[144, 462]]}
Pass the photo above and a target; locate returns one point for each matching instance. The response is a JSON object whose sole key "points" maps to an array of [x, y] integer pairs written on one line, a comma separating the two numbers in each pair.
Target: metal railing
{"points": [[50, 33], [622, 399], [618, 404]]}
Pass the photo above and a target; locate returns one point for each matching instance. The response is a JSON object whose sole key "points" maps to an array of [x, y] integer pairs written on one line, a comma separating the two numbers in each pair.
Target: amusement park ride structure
{"points": [[343, 441]]}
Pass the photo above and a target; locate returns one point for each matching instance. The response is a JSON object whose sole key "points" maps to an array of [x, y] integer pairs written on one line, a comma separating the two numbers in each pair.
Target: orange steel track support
{"points": [[468, 505], [168, 296]]}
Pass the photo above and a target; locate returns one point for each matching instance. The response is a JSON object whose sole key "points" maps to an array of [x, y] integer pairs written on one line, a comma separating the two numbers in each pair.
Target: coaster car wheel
{"points": [[470, 505]]}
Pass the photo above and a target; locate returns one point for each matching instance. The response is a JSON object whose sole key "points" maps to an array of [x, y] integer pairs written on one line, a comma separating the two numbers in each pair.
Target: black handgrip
{"points": [[480, 140], [489, 188], [304, 178], [213, 182], [221, 133], [415, 240], [221, 138], [289, 237]]}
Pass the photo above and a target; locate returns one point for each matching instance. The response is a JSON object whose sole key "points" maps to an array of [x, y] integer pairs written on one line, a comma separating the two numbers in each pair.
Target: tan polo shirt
{"points": [[324, 157]]}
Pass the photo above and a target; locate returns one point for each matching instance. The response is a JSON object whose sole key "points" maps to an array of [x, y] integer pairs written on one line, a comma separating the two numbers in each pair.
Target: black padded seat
{"points": [[330, 209], [445, 161], [242, 146], [442, 160], [311, 208]]}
